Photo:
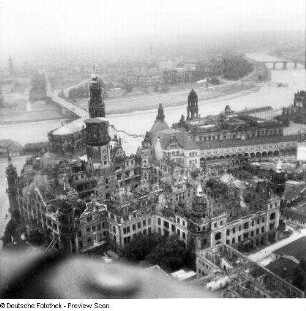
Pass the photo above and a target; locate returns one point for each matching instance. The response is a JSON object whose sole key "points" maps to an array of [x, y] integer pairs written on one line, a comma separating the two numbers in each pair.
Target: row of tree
{"points": [[38, 82], [35, 148], [79, 93], [235, 66]]}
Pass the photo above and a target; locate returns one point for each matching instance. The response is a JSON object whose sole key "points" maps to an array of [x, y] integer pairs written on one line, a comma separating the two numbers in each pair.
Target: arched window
{"points": [[218, 236], [272, 216]]}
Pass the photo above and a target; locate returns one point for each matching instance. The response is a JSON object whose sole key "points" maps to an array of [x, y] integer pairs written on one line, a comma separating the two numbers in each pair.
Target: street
{"points": [[266, 252]]}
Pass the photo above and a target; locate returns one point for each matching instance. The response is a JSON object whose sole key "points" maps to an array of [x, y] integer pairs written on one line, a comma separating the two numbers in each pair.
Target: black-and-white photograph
{"points": [[151, 149]]}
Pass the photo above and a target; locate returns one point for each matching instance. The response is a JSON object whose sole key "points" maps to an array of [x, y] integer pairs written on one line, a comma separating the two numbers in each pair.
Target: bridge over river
{"points": [[276, 63]]}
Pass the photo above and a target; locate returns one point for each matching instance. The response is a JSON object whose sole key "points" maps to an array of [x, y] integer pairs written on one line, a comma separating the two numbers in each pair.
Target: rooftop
{"points": [[181, 137], [252, 141], [70, 128], [157, 127], [96, 120]]}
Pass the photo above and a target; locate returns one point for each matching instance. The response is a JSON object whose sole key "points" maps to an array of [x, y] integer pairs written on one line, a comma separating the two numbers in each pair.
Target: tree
{"points": [[234, 66], [282, 225], [298, 278], [302, 264], [168, 252], [215, 81], [77, 93], [141, 246], [128, 87], [165, 89], [35, 148], [37, 238], [171, 254]]}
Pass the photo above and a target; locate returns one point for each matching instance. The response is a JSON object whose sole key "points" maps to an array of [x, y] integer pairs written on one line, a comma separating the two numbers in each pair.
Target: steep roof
{"points": [[157, 127], [70, 128], [160, 124], [192, 95], [182, 137]]}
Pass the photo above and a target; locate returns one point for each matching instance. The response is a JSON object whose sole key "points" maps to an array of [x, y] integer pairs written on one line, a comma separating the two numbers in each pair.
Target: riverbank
{"points": [[29, 120], [20, 110], [125, 105]]}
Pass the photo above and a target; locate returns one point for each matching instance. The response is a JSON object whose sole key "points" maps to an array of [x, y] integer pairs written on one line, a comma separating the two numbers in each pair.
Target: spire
{"points": [[160, 115], [159, 123]]}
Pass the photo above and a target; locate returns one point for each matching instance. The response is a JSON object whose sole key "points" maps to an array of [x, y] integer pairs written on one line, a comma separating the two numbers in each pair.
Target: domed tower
{"points": [[159, 124], [199, 204], [199, 223], [192, 107], [96, 102], [12, 177], [97, 136]]}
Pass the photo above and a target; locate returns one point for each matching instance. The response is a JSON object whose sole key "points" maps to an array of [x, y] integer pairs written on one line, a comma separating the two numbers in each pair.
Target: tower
{"points": [[96, 102], [12, 177], [200, 204], [192, 107], [159, 123], [146, 158], [97, 136], [160, 114], [11, 66]]}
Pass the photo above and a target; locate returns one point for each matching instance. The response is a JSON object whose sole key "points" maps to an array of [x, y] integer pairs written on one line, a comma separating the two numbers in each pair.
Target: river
{"points": [[268, 94], [141, 121]]}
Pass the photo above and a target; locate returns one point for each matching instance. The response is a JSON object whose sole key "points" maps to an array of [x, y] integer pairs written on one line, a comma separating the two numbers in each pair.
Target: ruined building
{"points": [[104, 198], [297, 111], [225, 269], [64, 193]]}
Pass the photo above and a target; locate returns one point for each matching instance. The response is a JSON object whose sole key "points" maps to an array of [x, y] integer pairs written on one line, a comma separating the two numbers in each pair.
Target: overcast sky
{"points": [[27, 24]]}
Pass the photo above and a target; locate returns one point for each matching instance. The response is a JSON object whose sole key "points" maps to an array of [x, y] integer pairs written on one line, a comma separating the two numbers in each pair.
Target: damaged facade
{"points": [[105, 198]]}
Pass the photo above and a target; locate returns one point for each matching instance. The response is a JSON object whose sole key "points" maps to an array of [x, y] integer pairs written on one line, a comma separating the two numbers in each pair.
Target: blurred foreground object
{"points": [[35, 274]]}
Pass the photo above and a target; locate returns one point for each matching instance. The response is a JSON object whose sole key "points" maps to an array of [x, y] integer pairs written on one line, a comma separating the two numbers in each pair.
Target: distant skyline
{"points": [[28, 25]]}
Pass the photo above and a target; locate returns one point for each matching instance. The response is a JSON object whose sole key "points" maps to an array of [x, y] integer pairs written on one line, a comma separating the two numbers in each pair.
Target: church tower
{"points": [[96, 102], [146, 158], [192, 107], [97, 136]]}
